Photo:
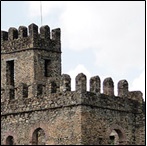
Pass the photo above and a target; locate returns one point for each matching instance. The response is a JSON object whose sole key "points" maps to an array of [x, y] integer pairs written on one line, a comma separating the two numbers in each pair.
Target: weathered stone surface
{"points": [[108, 86], [95, 84], [123, 88], [38, 106]]}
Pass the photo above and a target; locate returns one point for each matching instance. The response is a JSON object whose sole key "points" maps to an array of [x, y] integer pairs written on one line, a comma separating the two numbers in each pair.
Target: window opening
{"points": [[38, 137], [53, 87], [39, 89], [11, 94], [25, 91], [114, 137], [10, 140], [10, 72], [47, 67]]}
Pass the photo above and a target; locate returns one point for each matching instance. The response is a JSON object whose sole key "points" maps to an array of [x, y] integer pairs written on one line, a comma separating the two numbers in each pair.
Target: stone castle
{"points": [[39, 108]]}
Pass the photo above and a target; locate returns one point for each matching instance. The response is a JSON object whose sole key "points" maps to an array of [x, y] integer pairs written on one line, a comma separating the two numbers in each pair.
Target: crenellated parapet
{"points": [[30, 38], [56, 92], [63, 84]]}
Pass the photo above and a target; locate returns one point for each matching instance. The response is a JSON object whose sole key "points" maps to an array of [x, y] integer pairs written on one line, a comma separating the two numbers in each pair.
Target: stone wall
{"points": [[58, 124]]}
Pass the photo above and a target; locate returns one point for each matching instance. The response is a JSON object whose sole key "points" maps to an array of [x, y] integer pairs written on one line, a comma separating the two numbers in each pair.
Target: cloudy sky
{"points": [[104, 38]]}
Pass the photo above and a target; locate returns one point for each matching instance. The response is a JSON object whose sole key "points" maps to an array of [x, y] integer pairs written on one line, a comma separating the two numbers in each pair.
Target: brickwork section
{"points": [[38, 106]]}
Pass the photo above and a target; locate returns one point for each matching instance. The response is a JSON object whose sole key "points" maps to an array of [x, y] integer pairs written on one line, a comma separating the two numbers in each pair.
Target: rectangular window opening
{"points": [[100, 141], [39, 89], [47, 63], [12, 94], [25, 91], [10, 72]]}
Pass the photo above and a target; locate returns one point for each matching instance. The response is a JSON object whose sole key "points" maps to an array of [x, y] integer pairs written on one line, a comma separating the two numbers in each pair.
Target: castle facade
{"points": [[39, 108]]}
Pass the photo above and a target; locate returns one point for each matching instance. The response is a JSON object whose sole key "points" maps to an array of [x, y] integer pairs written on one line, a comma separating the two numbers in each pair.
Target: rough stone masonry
{"points": [[39, 108]]}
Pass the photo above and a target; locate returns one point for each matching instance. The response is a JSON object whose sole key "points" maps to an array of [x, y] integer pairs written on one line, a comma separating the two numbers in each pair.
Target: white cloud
{"points": [[115, 34], [74, 72], [139, 84]]}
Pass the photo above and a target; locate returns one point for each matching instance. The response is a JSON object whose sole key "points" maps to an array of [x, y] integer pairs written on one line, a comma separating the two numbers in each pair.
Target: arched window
{"points": [[116, 137], [10, 140], [38, 137]]}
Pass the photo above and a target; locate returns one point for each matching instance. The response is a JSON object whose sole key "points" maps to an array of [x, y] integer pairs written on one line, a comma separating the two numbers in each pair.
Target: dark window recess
{"points": [[47, 67], [9, 140], [53, 87], [11, 94], [25, 91], [100, 141], [39, 89], [112, 138], [38, 137], [10, 72]]}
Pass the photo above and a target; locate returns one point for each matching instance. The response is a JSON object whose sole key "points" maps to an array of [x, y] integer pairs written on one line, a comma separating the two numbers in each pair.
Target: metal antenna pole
{"points": [[41, 12]]}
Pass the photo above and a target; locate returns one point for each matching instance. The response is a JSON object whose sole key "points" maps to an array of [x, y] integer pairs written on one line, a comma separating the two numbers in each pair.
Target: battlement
{"points": [[64, 85], [30, 38], [55, 90]]}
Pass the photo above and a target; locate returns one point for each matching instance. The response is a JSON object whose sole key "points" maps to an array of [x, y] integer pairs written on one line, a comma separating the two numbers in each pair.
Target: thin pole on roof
{"points": [[41, 11]]}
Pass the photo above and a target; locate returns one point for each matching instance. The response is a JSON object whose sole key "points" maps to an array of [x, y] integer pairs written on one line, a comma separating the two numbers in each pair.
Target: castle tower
{"points": [[29, 57]]}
